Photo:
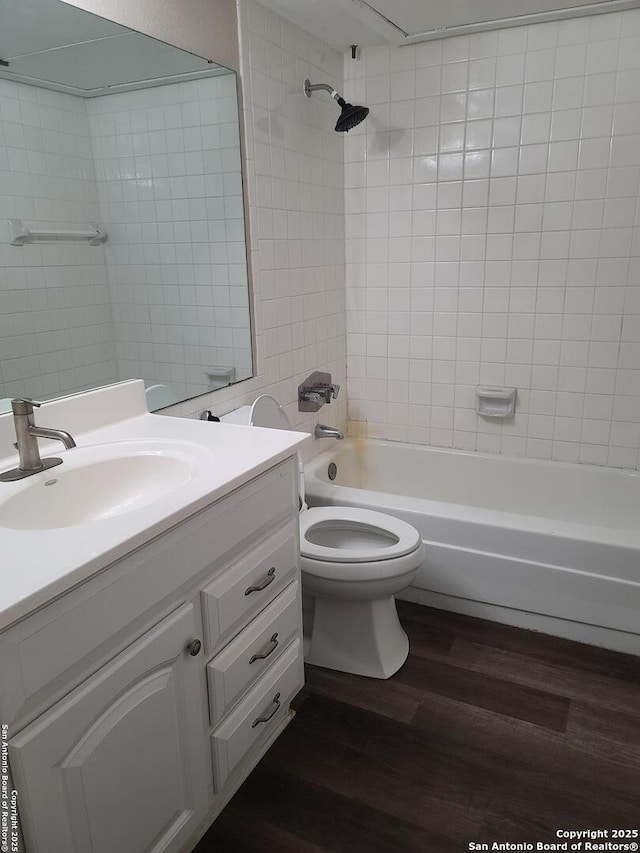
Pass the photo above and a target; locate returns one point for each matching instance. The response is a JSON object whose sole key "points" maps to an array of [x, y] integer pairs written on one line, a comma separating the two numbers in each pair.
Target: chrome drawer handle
{"points": [[271, 576], [276, 707], [269, 651]]}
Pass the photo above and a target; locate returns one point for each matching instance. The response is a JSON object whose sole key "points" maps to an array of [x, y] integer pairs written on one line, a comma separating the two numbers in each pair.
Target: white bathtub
{"points": [[544, 545]]}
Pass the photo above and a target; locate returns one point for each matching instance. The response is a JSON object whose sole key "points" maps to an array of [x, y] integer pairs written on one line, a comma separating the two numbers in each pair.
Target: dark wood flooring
{"points": [[487, 733]]}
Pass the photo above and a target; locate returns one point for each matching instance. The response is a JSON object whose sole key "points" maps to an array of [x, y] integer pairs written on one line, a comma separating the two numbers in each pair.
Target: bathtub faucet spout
{"points": [[322, 431]]}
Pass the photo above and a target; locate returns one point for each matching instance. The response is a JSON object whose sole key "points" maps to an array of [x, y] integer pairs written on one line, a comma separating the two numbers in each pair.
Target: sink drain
{"points": [[332, 471]]}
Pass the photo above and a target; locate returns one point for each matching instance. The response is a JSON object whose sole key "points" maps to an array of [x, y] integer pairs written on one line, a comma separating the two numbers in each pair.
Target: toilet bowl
{"points": [[354, 561]]}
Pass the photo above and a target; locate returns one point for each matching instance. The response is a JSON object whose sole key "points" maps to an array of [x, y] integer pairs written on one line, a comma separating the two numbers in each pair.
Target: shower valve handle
{"points": [[320, 393]]}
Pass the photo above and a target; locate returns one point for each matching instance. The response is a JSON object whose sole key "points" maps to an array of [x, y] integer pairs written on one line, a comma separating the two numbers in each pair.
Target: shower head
{"points": [[350, 116]]}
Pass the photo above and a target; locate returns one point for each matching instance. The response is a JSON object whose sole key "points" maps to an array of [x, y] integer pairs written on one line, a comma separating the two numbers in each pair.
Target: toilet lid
{"points": [[266, 411], [159, 397], [339, 534]]}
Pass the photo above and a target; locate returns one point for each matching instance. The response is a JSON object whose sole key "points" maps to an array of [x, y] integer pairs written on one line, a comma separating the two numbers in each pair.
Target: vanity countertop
{"points": [[41, 564]]}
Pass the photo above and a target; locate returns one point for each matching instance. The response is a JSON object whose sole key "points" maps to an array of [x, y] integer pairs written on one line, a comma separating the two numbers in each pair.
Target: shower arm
{"points": [[310, 87]]}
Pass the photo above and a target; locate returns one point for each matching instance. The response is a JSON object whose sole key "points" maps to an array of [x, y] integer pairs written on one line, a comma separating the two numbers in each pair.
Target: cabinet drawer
{"points": [[243, 661], [231, 600], [259, 713]]}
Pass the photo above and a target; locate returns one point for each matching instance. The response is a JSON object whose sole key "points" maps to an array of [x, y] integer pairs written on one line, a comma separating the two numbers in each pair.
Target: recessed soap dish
{"points": [[495, 402]]}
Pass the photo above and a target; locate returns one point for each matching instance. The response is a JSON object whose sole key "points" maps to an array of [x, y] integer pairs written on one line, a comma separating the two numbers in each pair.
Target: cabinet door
{"points": [[120, 763]]}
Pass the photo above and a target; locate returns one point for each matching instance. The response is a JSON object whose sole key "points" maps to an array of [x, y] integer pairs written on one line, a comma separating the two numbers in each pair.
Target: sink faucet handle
{"points": [[23, 405]]}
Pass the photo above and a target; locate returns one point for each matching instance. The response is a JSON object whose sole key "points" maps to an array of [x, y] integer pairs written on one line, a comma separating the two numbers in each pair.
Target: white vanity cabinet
{"points": [[118, 764], [139, 701]]}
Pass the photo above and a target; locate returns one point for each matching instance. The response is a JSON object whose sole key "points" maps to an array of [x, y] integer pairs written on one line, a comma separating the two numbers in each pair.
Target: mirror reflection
{"points": [[122, 231]]}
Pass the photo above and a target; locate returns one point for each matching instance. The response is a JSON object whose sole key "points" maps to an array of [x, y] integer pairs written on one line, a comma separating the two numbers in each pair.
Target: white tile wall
{"points": [[56, 332], [170, 190], [296, 191], [493, 236]]}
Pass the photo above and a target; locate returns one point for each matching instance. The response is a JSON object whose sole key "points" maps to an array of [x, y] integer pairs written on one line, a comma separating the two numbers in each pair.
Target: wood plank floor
{"points": [[487, 733]]}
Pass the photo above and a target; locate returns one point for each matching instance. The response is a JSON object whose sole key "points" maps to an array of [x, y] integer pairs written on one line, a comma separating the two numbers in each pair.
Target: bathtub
{"points": [[545, 545]]}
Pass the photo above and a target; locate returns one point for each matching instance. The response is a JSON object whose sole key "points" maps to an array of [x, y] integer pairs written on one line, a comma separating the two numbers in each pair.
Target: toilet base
{"points": [[361, 637]]}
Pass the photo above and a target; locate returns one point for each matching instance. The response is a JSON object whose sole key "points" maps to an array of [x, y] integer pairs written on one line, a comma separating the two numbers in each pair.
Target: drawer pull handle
{"points": [[269, 651], [276, 707], [271, 576]]}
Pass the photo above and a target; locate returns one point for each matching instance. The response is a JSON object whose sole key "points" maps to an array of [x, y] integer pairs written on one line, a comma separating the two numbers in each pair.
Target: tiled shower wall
{"points": [[493, 237], [296, 196], [56, 332], [167, 163], [296, 181]]}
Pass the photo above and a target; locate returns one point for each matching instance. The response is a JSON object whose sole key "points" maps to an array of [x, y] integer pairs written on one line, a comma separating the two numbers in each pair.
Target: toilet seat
{"points": [[360, 535]]}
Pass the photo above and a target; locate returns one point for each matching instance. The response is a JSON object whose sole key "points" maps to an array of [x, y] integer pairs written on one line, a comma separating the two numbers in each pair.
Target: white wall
{"points": [[170, 190], [492, 237], [296, 196], [56, 332]]}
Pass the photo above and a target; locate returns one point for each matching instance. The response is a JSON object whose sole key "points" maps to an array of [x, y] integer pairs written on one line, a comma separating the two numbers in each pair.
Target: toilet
{"points": [[354, 561], [159, 397]]}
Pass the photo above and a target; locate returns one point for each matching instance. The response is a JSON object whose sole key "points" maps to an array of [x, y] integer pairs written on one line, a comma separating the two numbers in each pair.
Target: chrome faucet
{"points": [[316, 390], [323, 431], [319, 393], [27, 435]]}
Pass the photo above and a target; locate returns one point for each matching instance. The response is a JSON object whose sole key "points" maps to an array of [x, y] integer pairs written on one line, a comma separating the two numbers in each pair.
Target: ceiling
{"points": [[341, 23], [47, 42]]}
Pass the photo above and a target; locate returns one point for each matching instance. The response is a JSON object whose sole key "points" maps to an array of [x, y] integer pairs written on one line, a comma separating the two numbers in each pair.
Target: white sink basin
{"points": [[133, 476], [98, 483]]}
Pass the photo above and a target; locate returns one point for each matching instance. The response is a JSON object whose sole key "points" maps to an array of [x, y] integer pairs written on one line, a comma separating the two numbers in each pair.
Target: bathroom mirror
{"points": [[122, 221]]}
